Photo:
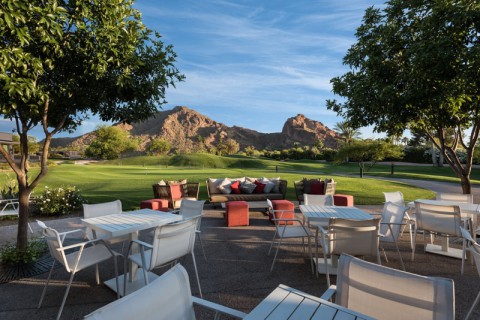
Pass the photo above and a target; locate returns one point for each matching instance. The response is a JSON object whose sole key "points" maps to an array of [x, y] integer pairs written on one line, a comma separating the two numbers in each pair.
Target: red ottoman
{"points": [[282, 205], [343, 200], [155, 204], [236, 213]]}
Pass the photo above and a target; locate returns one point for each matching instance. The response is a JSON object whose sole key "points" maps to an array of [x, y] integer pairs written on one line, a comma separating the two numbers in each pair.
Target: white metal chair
{"points": [[288, 229], [88, 253], [99, 210], [356, 237], [191, 209], [390, 226], [474, 249], [386, 293], [166, 298], [9, 207], [170, 242], [456, 197], [397, 198], [440, 220], [319, 200]]}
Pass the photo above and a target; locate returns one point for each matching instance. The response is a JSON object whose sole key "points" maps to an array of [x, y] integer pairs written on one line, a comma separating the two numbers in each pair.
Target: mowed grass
{"points": [[133, 183]]}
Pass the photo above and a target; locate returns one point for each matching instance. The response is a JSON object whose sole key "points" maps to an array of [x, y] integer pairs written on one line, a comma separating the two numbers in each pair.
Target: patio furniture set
{"points": [[341, 231]]}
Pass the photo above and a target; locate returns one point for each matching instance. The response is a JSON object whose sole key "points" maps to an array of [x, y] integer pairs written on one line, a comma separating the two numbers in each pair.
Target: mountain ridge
{"points": [[188, 130]]}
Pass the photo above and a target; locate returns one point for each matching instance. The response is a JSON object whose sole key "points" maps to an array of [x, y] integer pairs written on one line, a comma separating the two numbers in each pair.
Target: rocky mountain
{"points": [[187, 129]]}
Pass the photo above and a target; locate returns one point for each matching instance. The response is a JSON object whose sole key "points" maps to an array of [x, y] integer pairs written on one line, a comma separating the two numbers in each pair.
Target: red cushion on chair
{"points": [[317, 187], [176, 190]]}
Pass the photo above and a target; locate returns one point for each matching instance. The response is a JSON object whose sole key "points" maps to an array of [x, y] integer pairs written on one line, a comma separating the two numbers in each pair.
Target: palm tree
{"points": [[347, 132]]}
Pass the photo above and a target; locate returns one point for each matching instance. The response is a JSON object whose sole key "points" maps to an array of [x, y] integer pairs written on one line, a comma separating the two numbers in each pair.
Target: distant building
{"points": [[6, 141]]}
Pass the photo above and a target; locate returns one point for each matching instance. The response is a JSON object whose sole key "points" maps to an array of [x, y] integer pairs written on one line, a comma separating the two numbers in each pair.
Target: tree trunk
{"points": [[440, 160], [466, 184], [434, 156], [23, 214]]}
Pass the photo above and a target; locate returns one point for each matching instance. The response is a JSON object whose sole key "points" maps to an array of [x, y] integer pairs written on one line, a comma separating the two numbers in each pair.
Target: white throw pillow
{"points": [[224, 186]]}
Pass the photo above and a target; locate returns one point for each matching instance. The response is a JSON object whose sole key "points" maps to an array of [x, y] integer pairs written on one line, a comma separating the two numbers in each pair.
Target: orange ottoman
{"points": [[155, 204], [236, 213], [343, 200], [286, 205]]}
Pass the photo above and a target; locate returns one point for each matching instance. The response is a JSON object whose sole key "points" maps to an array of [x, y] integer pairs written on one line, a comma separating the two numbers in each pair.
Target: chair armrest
{"points": [[82, 244], [63, 235], [329, 293], [143, 244], [219, 308]]}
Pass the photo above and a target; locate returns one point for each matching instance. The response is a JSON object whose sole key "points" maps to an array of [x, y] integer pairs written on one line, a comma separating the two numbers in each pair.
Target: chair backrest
{"points": [[172, 241], [318, 199], [395, 197], [457, 197], [98, 210], [472, 246], [392, 218], [191, 208], [167, 297], [55, 244], [438, 218], [356, 237], [387, 293], [102, 209]]}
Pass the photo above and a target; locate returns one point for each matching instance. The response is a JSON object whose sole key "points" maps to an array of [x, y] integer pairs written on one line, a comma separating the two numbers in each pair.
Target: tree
{"points": [[416, 65], [110, 143], [348, 132], [158, 146], [61, 61], [231, 146], [364, 151]]}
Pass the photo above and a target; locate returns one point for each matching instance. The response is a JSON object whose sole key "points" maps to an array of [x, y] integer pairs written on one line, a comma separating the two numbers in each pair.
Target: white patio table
{"points": [[316, 213], [469, 211], [288, 303], [130, 222]]}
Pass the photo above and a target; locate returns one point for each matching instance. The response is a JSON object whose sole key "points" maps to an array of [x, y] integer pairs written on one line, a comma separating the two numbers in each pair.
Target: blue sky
{"points": [[255, 63]]}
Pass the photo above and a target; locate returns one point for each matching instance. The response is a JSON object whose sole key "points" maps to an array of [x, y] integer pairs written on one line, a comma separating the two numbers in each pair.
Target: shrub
{"points": [[10, 256], [59, 201]]}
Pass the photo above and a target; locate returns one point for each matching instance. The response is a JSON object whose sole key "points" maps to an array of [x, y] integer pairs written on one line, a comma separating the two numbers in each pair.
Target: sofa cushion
{"points": [[307, 184], [259, 187], [317, 187], [276, 188], [235, 186], [247, 187], [225, 186], [213, 185]]}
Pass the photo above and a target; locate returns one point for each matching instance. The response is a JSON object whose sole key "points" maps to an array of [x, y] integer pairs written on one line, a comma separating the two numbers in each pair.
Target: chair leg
{"points": [[477, 299], [66, 294], [276, 253], [97, 274], [201, 244], [46, 285], [414, 242], [196, 273], [464, 252], [271, 245], [400, 256], [327, 269], [116, 276]]}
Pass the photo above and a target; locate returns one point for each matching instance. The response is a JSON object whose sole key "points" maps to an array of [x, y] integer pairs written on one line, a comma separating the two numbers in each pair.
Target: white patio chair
{"points": [[386, 293], [89, 253], [319, 200], [397, 198], [356, 237], [390, 226], [99, 210], [9, 207], [455, 197], [474, 249], [191, 209], [288, 229], [166, 298], [439, 220], [170, 242]]}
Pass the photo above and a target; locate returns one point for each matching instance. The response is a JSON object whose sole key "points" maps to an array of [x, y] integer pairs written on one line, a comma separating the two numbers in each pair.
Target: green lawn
{"points": [[131, 179]]}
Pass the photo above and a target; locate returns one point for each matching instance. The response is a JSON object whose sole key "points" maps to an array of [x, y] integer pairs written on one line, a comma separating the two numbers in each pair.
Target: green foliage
{"points": [[59, 201], [109, 143], [9, 187], [416, 65], [11, 256], [369, 151], [157, 147]]}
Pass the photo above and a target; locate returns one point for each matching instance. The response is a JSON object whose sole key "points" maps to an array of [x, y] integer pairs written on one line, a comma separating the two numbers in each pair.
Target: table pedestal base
{"points": [[445, 251], [131, 286], [332, 265]]}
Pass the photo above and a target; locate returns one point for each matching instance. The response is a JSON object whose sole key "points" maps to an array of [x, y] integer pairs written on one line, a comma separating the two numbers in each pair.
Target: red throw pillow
{"points": [[235, 187], [317, 187], [176, 191], [259, 188]]}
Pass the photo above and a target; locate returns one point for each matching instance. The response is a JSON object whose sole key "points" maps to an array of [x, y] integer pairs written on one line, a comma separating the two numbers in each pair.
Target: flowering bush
{"points": [[59, 201]]}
